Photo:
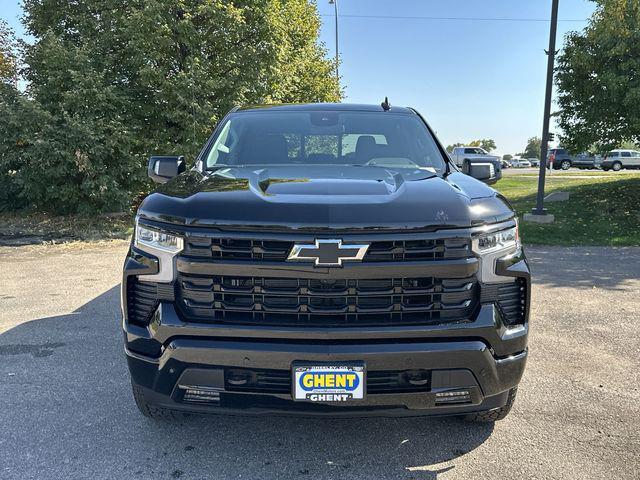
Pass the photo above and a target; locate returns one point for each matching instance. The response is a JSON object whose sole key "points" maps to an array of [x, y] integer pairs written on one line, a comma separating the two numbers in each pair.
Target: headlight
{"points": [[157, 240], [162, 245], [493, 246], [504, 240]]}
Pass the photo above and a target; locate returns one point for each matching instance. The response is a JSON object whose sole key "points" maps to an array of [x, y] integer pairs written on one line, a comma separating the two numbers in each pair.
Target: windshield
{"points": [[475, 151], [381, 139]]}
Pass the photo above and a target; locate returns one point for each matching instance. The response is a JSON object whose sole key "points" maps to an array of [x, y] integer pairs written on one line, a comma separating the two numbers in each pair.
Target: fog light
{"points": [[453, 396], [201, 395]]}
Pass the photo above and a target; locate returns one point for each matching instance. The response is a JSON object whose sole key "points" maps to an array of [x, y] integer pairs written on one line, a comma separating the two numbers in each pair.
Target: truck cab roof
{"points": [[314, 107]]}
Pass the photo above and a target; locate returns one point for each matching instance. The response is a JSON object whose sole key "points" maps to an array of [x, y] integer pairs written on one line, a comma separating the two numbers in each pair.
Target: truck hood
{"points": [[325, 198]]}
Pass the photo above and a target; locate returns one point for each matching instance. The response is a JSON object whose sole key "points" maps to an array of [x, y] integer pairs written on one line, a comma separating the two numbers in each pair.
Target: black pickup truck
{"points": [[324, 259]]}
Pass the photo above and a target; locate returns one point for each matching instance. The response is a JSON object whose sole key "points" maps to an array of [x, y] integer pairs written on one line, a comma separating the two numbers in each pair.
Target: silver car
{"points": [[524, 163], [616, 160]]}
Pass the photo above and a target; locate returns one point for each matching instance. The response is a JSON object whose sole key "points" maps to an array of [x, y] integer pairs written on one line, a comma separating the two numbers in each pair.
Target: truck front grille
{"points": [[251, 250], [326, 302]]}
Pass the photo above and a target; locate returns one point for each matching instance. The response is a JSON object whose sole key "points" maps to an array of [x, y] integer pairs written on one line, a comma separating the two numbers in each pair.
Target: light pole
{"points": [[335, 7], [540, 210]]}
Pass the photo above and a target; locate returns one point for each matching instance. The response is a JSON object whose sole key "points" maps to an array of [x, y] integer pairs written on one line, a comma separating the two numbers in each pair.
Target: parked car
{"points": [[560, 158], [325, 259], [618, 159], [534, 162], [505, 163], [585, 160], [464, 157], [520, 163], [514, 163]]}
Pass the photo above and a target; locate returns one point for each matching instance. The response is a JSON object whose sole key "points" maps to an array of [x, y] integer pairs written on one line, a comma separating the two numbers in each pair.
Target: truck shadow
{"points": [[67, 407]]}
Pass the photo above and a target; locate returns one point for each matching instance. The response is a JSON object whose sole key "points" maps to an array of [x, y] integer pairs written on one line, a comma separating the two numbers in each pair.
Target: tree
{"points": [[630, 146], [598, 79], [486, 144], [116, 82], [507, 157], [8, 54], [10, 110], [532, 150]]}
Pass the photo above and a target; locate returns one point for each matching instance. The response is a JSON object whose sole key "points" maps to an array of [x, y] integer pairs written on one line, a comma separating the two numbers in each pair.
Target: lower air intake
{"points": [[512, 301]]}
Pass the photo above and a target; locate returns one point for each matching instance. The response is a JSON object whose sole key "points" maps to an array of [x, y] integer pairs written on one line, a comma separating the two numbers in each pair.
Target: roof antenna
{"points": [[386, 106]]}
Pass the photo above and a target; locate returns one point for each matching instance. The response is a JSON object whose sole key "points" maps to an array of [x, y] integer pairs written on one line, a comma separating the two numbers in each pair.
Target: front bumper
{"points": [[203, 364], [170, 356], [456, 359]]}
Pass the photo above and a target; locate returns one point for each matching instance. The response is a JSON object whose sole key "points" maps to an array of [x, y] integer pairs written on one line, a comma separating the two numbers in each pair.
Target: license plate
{"points": [[328, 383]]}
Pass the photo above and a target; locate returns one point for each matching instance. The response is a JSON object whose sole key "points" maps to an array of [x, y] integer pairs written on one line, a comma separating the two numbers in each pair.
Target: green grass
{"points": [[604, 209]]}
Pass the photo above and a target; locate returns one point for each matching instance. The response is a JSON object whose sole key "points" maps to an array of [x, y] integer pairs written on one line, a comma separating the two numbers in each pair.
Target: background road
{"points": [[572, 172], [535, 170], [66, 409]]}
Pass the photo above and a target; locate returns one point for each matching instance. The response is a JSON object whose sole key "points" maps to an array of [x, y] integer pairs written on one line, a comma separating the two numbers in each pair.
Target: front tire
{"points": [[150, 410], [616, 167], [496, 414], [565, 165]]}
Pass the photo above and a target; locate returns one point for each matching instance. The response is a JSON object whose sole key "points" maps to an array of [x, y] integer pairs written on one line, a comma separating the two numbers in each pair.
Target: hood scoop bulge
{"points": [[342, 181]]}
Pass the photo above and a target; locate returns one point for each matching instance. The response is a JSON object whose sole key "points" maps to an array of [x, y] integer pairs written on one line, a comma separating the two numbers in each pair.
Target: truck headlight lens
{"points": [[496, 241], [162, 245], [493, 246], [498, 244], [154, 239]]}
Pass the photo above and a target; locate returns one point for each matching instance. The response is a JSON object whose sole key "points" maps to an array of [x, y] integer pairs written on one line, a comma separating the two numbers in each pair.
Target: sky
{"points": [[474, 69], [469, 78]]}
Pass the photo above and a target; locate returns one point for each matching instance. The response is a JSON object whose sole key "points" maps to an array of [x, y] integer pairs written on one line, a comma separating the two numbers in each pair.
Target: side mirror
{"points": [[486, 172], [161, 169]]}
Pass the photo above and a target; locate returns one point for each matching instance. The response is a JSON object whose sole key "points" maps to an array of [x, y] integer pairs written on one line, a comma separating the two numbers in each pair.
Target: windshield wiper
{"points": [[218, 167]]}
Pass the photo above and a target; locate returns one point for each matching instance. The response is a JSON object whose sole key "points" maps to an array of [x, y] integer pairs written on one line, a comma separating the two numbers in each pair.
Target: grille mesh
{"points": [[327, 303], [279, 381], [379, 251]]}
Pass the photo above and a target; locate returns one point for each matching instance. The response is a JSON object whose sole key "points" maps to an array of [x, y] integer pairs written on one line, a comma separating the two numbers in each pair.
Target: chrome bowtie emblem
{"points": [[327, 253]]}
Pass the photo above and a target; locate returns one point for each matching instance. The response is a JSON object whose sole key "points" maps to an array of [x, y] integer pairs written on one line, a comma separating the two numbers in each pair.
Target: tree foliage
{"points": [[532, 150], [598, 79], [486, 144], [10, 123], [113, 82], [8, 54]]}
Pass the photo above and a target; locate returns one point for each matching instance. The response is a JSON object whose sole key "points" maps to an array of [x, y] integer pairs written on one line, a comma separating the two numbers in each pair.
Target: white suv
{"points": [[618, 159]]}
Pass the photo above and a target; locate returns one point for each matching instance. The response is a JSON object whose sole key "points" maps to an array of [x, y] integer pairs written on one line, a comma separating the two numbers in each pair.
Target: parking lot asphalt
{"points": [[67, 411]]}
